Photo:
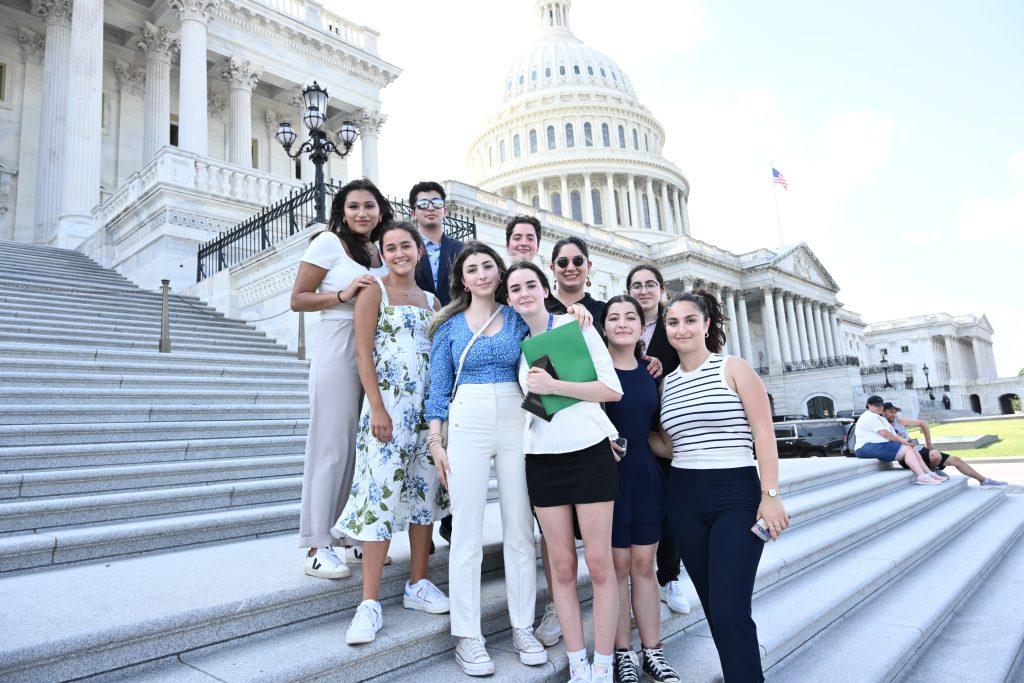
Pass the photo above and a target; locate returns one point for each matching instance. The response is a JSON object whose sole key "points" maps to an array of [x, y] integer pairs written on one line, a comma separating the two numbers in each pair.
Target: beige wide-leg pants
{"points": [[485, 421], [335, 397]]}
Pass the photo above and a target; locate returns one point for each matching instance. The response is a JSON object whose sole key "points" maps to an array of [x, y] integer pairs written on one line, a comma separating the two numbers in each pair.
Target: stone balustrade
{"points": [[314, 14]]}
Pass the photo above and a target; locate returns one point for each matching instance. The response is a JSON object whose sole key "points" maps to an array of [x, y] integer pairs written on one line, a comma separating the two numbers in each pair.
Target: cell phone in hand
{"points": [[621, 442], [760, 529]]}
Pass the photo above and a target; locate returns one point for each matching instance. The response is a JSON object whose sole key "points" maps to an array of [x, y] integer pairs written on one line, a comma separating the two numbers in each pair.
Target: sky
{"points": [[899, 126]]}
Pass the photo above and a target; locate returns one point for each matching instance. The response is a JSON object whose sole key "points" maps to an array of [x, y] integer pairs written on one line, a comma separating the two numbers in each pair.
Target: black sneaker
{"points": [[655, 667], [625, 667]]}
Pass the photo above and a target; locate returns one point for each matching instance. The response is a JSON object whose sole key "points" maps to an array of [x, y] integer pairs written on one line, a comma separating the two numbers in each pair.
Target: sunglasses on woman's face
{"points": [[563, 261]]}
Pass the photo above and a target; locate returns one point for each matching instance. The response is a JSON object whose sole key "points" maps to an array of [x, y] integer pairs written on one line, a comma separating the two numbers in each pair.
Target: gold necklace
{"points": [[405, 292]]}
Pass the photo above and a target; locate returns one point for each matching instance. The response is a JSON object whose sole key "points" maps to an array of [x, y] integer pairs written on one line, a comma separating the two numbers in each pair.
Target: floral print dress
{"points": [[395, 484]]}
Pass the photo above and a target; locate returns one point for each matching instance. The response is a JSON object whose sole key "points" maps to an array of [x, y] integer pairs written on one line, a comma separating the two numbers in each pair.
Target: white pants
{"points": [[486, 421]]}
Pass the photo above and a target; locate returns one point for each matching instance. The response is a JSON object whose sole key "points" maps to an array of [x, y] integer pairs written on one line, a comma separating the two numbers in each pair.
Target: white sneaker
{"points": [[549, 631], [471, 654], [672, 595], [326, 564], [365, 624], [426, 597], [580, 674], [601, 673], [354, 555], [531, 652]]}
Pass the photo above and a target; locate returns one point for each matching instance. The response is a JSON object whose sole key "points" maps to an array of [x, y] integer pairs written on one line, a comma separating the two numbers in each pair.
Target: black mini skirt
{"points": [[588, 475]]}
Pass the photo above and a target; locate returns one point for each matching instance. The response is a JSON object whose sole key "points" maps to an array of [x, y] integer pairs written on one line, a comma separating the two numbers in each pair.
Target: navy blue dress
{"points": [[640, 507]]}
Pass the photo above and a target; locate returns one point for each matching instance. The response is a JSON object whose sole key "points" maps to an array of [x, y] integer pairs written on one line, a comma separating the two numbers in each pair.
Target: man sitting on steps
{"points": [[875, 438], [932, 458]]}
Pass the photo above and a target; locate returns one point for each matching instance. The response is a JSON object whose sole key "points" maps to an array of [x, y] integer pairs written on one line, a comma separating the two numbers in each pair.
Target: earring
{"points": [[466, 288], [707, 335], [588, 282]]}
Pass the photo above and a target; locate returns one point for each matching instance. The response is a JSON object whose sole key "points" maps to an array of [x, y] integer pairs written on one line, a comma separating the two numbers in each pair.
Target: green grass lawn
{"points": [[1010, 433]]}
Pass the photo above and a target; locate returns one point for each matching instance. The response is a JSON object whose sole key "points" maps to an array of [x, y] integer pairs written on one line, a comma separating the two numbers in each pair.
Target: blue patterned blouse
{"points": [[491, 360]]}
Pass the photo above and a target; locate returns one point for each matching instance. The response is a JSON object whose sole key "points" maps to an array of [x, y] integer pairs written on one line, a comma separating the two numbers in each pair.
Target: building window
{"points": [[255, 152], [570, 139], [595, 202], [576, 69], [297, 169], [622, 137], [636, 141], [647, 213], [535, 201], [533, 141], [647, 144], [173, 137], [657, 212], [561, 70], [533, 75], [556, 203], [904, 349], [590, 71], [588, 134], [883, 352], [602, 291], [603, 74], [576, 205], [547, 72], [606, 138], [618, 211], [3, 82], [614, 77], [502, 152], [517, 148], [551, 137]]}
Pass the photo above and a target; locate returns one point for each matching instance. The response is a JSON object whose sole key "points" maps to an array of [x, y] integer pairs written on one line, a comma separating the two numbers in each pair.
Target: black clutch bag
{"points": [[532, 403]]}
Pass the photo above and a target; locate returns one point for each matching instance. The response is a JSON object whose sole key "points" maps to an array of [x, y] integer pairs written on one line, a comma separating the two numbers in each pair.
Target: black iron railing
{"points": [[879, 387], [880, 369], [284, 218], [818, 364]]}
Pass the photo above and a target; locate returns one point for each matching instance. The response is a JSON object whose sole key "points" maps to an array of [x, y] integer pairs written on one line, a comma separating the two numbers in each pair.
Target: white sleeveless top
{"points": [[705, 418], [327, 252]]}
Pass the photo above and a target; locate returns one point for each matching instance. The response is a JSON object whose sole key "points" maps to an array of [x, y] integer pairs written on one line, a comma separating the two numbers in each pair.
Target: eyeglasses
{"points": [[563, 262], [650, 286], [424, 204]]}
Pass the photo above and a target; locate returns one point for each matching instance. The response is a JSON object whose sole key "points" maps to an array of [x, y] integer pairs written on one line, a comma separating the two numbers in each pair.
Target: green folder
{"points": [[568, 351]]}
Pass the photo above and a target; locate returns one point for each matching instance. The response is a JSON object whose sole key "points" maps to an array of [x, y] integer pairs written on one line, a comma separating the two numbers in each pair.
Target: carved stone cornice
{"points": [[194, 10], [370, 122], [158, 42], [215, 105], [240, 74], [33, 45], [131, 79], [55, 12]]}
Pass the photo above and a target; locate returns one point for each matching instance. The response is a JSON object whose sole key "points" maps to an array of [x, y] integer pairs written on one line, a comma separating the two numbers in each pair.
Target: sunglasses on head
{"points": [[563, 261], [423, 204]]}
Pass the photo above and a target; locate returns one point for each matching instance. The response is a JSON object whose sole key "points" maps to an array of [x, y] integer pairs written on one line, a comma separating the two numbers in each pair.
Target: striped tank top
{"points": [[705, 419]]}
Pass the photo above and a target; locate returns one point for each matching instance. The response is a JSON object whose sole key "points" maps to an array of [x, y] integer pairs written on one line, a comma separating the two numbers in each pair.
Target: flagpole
{"points": [[775, 196]]}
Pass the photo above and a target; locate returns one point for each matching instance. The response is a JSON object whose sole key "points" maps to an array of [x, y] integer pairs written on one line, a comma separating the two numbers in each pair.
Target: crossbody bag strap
{"points": [[465, 352]]}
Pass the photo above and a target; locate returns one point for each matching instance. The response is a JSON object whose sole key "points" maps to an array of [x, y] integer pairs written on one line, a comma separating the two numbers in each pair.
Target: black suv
{"points": [[806, 438]]}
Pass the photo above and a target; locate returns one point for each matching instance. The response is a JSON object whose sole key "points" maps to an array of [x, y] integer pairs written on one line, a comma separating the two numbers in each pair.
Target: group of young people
{"points": [[416, 388]]}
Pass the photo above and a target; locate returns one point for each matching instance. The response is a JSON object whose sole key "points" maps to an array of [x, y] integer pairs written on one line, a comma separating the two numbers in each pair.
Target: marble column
{"points": [[780, 316], [794, 332], [131, 82], [770, 326], [812, 339], [636, 219], [587, 201], [241, 77], [160, 45], [652, 208], [609, 201], [684, 213], [52, 115], [624, 215], [566, 201], [826, 326], [665, 216], [82, 137], [676, 216], [192, 87], [819, 331], [26, 153], [744, 331], [833, 321], [519, 193], [370, 123], [798, 313], [956, 373], [734, 326]]}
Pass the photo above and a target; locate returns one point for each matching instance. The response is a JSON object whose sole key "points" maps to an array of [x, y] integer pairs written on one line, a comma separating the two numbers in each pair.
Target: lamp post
{"points": [[318, 146], [885, 369], [928, 382]]}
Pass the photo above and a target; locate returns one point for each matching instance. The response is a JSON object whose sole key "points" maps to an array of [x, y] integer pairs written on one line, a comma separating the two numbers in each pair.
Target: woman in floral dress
{"points": [[396, 484]]}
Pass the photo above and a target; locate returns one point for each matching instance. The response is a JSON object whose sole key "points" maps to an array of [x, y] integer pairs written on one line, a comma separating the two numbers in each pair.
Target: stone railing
{"points": [[821, 363], [313, 14], [174, 168]]}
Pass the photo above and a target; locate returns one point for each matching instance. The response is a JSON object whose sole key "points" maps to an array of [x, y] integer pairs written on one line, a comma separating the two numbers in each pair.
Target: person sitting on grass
{"points": [[932, 458], [875, 438]]}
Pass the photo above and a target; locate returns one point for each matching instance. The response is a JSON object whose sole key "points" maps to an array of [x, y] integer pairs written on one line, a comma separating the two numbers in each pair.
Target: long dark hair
{"points": [[460, 297], [638, 350], [706, 302], [355, 243], [571, 239], [502, 293]]}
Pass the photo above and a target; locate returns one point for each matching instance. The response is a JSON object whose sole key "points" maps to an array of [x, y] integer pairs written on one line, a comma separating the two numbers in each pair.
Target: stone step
{"points": [[84, 480], [149, 381], [128, 451], [900, 618], [14, 437], [83, 322], [48, 413], [124, 342], [17, 290], [48, 515], [25, 249], [96, 396], [44, 271], [982, 640], [179, 357], [67, 546], [86, 309], [61, 281], [127, 368], [49, 330], [49, 261]]}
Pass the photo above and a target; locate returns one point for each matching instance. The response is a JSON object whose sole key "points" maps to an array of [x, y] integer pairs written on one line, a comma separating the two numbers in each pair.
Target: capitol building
{"points": [[137, 132]]}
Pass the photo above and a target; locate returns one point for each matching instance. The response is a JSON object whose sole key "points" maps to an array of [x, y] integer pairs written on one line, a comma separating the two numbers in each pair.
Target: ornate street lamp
{"points": [[318, 146], [927, 381], [885, 368]]}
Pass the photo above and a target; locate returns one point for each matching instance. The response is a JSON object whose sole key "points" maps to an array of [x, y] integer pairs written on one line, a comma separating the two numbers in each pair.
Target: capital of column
{"points": [[240, 74], [767, 290], [740, 295], [194, 10], [215, 104], [33, 45], [158, 43], [131, 79], [53, 11], [370, 122]]}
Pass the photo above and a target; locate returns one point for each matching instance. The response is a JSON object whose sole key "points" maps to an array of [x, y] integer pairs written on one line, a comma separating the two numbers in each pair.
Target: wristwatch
{"points": [[771, 493]]}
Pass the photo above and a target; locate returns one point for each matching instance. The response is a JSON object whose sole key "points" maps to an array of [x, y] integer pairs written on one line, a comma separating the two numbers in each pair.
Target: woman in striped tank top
{"points": [[714, 410]]}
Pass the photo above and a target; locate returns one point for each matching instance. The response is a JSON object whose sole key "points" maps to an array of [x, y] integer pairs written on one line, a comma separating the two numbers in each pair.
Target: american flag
{"points": [[779, 179]]}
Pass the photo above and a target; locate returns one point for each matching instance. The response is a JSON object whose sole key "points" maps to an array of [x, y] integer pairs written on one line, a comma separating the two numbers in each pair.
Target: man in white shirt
{"points": [[875, 438]]}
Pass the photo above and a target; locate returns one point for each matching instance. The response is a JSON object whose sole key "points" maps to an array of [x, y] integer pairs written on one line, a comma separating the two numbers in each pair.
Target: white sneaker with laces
{"points": [[354, 555], [672, 595], [580, 674], [365, 624], [326, 564], [601, 673], [471, 654], [426, 597], [549, 631], [531, 652]]}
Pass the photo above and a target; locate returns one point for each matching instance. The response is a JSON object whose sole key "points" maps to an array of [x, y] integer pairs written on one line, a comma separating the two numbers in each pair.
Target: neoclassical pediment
{"points": [[801, 261]]}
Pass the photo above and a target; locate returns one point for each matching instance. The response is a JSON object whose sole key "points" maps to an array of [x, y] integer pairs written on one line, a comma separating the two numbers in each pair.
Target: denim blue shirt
{"points": [[492, 359], [434, 256]]}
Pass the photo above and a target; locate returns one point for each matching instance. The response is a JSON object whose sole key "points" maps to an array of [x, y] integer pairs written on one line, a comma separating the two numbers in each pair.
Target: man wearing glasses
{"points": [[426, 202]]}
